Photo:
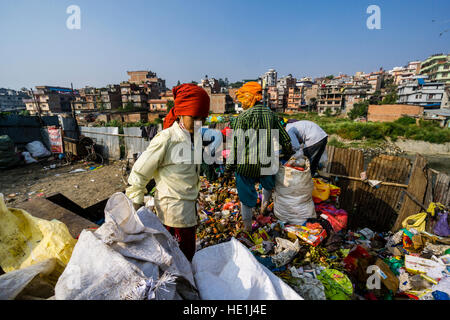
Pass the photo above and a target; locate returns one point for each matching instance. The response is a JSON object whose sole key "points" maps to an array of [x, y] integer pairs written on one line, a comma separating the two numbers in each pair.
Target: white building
{"points": [[419, 92], [12, 100], [269, 79]]}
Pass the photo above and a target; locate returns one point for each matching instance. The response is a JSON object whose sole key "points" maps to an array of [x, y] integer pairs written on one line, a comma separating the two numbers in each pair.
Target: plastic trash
{"points": [[26, 240], [37, 149], [130, 257], [228, 271]]}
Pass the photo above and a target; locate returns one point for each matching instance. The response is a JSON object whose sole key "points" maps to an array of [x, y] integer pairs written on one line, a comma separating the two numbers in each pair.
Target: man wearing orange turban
{"points": [[176, 175], [249, 94], [247, 164]]}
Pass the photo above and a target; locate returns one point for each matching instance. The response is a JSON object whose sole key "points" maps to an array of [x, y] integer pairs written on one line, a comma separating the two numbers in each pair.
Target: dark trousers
{"points": [[185, 238], [314, 152]]}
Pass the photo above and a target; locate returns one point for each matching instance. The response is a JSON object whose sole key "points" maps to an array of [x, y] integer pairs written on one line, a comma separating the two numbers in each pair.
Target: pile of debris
{"points": [[321, 259]]}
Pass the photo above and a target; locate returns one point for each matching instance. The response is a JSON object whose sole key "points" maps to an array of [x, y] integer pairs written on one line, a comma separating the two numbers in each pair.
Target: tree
{"points": [[169, 105], [359, 110], [328, 112], [237, 84], [194, 82], [312, 104], [375, 98], [129, 106], [178, 83], [391, 96], [330, 77]]}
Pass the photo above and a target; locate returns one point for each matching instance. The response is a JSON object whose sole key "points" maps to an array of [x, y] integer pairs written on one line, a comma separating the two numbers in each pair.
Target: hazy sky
{"points": [[238, 39]]}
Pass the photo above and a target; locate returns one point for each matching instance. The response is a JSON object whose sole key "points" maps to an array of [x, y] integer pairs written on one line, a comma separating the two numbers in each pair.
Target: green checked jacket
{"points": [[248, 163]]}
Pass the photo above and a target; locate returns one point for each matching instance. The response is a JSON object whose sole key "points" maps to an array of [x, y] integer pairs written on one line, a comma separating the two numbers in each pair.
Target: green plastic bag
{"points": [[337, 285]]}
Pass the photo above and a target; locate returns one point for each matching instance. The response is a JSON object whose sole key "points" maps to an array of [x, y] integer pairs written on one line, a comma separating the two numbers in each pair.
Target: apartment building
{"points": [[437, 68], [145, 77], [133, 94], [355, 94], [12, 100], [421, 92], [405, 74], [269, 79], [48, 100], [98, 99], [210, 83], [331, 97], [295, 99]]}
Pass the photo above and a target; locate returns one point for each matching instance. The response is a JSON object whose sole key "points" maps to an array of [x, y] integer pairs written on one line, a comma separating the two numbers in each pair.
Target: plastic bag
{"points": [[416, 221], [131, 256], [34, 282], [26, 240], [292, 195], [28, 157], [322, 190], [337, 285], [8, 157], [441, 227], [228, 271], [37, 149], [285, 251]]}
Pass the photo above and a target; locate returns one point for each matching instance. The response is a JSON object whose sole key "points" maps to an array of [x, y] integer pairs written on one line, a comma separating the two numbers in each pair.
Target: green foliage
{"points": [[359, 110], [237, 84], [373, 132], [129, 106], [328, 112], [169, 105]]}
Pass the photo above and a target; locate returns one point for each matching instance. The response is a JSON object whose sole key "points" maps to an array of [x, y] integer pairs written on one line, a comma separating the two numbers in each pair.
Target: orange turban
{"points": [[189, 100], [249, 94]]}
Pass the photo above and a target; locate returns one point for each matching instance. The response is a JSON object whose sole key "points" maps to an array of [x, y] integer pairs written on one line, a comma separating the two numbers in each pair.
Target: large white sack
{"points": [[131, 256], [228, 271], [13, 283], [37, 149], [292, 196]]}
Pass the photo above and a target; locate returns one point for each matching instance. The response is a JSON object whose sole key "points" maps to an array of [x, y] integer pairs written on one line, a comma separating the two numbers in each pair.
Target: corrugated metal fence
{"points": [[105, 137]]}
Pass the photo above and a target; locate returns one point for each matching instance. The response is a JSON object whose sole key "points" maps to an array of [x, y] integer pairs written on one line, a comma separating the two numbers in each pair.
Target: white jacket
{"points": [[169, 159]]}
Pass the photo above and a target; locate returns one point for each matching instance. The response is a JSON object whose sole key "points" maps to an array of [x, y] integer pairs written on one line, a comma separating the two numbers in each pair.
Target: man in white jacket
{"points": [[308, 139], [169, 159]]}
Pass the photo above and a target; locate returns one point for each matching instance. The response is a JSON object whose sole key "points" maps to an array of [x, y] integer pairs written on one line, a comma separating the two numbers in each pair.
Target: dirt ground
{"points": [[84, 188]]}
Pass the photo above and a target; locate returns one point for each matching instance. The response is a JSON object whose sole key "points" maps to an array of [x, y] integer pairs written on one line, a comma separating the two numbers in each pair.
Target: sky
{"points": [[234, 39]]}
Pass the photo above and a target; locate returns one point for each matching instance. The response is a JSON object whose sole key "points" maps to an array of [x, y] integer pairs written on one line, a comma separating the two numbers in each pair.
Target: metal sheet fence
{"points": [[134, 145], [107, 138]]}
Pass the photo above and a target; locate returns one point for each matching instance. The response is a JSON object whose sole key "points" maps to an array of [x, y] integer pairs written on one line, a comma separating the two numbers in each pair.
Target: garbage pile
{"points": [[322, 260]]}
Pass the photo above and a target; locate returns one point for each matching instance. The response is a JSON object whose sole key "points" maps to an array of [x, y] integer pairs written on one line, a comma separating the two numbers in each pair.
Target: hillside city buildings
{"points": [[419, 83]]}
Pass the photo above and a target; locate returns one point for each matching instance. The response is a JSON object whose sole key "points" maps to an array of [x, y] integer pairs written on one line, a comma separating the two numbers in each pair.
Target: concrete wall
{"points": [[413, 146], [391, 112]]}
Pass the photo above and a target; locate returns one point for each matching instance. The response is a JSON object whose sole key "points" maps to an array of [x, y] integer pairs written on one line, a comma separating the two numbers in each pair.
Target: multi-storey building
{"points": [[49, 100], [330, 97], [12, 100], [437, 68], [269, 79], [355, 94], [295, 99], [133, 94], [143, 77], [210, 83], [420, 92]]}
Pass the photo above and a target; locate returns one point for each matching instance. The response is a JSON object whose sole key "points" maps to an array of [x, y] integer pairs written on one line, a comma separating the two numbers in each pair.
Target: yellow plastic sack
{"points": [[26, 240], [321, 190], [433, 206], [416, 221]]}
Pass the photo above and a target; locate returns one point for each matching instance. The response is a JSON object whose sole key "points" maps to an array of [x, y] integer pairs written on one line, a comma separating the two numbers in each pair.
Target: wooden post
{"points": [[417, 186]]}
